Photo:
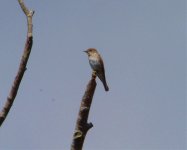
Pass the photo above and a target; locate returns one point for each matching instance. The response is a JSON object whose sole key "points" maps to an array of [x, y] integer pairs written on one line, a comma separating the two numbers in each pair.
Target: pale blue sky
{"points": [[143, 47]]}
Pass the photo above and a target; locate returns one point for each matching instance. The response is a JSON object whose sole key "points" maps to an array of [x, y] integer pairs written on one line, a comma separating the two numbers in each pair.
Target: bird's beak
{"points": [[86, 51]]}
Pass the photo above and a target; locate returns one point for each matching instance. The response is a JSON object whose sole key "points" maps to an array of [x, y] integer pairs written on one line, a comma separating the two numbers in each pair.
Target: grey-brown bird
{"points": [[97, 65]]}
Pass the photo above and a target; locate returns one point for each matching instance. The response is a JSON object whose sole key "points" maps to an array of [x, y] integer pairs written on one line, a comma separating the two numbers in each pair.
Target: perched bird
{"points": [[97, 65]]}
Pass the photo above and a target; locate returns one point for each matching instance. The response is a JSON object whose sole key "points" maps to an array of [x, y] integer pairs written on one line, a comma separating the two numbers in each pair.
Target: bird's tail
{"points": [[103, 80], [106, 86]]}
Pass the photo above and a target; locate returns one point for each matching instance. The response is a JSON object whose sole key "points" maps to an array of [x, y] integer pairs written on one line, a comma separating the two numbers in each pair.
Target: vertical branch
{"points": [[82, 126], [22, 66]]}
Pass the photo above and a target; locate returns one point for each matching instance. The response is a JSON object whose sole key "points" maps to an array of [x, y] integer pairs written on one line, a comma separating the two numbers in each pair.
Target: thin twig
{"points": [[82, 125], [22, 67]]}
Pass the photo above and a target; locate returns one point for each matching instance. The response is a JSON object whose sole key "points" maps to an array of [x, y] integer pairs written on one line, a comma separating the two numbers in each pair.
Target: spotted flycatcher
{"points": [[97, 65]]}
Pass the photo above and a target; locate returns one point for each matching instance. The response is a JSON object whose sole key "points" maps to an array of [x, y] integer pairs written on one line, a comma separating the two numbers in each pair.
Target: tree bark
{"points": [[22, 67], [82, 126]]}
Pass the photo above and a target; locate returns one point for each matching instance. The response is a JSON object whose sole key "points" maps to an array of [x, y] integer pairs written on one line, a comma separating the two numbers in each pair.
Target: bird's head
{"points": [[91, 51]]}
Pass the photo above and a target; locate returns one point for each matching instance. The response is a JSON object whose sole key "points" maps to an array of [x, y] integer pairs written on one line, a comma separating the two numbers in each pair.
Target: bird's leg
{"points": [[94, 74]]}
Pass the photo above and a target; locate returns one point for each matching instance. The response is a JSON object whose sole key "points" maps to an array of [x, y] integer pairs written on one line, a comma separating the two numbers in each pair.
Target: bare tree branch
{"points": [[22, 66], [82, 126]]}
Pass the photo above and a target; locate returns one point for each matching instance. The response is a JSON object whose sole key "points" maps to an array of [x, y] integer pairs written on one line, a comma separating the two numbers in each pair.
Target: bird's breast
{"points": [[94, 63]]}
